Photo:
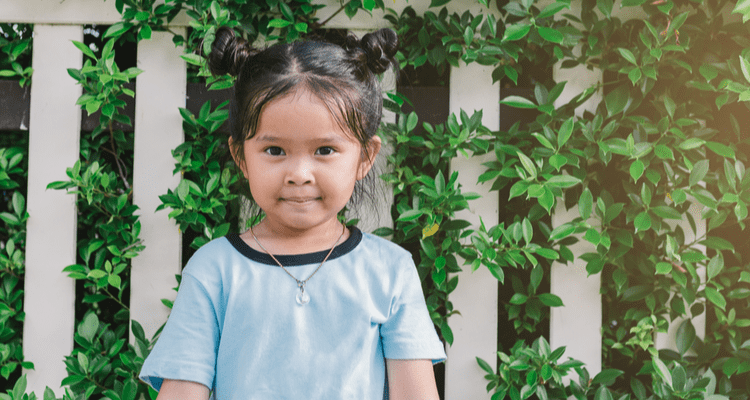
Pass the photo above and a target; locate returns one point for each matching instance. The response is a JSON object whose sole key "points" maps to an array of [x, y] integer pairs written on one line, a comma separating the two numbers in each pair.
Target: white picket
{"points": [[54, 132], [161, 90]]}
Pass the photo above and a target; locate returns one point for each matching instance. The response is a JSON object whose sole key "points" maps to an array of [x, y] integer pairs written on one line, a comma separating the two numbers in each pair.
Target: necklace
{"points": [[302, 297]]}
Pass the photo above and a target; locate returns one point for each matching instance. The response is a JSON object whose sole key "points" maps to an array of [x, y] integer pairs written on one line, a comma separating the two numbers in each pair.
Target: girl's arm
{"points": [[411, 380], [182, 390]]}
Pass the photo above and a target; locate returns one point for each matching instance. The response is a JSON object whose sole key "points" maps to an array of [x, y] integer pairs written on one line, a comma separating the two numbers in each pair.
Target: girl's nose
{"points": [[300, 172]]}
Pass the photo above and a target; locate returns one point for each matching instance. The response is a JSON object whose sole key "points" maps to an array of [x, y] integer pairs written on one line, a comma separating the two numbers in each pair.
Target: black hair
{"points": [[343, 76]]}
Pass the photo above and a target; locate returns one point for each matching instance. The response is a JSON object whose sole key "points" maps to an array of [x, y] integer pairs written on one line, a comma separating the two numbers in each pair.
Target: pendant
{"points": [[302, 298]]}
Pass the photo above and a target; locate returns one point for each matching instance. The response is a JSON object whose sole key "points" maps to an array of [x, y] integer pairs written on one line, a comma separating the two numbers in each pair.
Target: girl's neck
{"points": [[281, 240]]}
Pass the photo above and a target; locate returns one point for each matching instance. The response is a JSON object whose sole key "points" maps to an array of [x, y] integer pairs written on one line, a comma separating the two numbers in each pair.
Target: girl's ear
{"points": [[235, 156], [366, 163]]}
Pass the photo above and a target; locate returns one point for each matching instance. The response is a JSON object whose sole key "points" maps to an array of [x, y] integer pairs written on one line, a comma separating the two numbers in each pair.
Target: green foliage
{"points": [[670, 131], [442, 39], [201, 202], [13, 218], [104, 364], [15, 56], [530, 370], [425, 202]]}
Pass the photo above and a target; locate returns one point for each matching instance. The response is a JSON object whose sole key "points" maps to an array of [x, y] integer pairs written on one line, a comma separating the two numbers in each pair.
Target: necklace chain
{"points": [[300, 284]]}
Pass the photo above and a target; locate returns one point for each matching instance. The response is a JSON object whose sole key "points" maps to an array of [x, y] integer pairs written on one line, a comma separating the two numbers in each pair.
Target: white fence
{"points": [[54, 131]]}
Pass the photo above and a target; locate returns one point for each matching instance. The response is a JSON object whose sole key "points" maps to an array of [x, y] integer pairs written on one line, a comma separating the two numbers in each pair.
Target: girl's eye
{"points": [[325, 151], [274, 151]]}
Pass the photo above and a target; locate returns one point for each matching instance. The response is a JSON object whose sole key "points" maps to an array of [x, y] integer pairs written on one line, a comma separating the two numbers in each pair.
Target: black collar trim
{"points": [[293, 260]]}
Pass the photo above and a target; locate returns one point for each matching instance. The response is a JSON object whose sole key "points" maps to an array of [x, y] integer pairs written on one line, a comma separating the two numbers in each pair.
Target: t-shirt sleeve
{"points": [[188, 345], [408, 333]]}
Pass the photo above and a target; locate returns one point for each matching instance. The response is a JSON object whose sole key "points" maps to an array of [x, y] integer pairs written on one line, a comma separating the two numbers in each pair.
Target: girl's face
{"points": [[301, 165]]}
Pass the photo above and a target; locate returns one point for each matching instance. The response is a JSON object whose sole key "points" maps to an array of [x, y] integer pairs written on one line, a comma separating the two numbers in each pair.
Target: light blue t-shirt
{"points": [[237, 328]]}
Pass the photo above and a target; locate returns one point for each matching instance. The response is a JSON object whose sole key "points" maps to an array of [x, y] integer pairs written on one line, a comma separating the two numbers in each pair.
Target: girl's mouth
{"points": [[299, 200]]}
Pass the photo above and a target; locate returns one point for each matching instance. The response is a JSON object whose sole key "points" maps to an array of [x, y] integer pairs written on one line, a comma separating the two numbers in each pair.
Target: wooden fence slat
{"points": [[79, 12], [475, 330], [54, 136], [158, 130], [576, 325]]}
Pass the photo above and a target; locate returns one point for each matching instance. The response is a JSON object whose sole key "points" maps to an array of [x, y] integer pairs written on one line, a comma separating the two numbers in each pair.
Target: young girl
{"points": [[299, 306]]}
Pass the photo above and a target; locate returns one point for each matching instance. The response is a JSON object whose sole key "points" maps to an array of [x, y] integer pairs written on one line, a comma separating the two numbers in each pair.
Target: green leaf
{"points": [[565, 131], [485, 366], [550, 35], [692, 143], [89, 326], [518, 298], [468, 35], [717, 243], [85, 49], [603, 393], [565, 230], [118, 29], [563, 181], [547, 199], [517, 102], [708, 71], [642, 221], [715, 297], [552, 9], [544, 141], [518, 189], [666, 212], [558, 161], [744, 63], [606, 377], [550, 300], [114, 280], [585, 204], [685, 337], [663, 152], [662, 371], [528, 165], [628, 55], [411, 121], [698, 172], [663, 268], [516, 32], [130, 390], [278, 23], [605, 6], [547, 253], [635, 75], [636, 169], [743, 8], [410, 215], [617, 99], [528, 230], [715, 266], [720, 149], [193, 59], [593, 236]]}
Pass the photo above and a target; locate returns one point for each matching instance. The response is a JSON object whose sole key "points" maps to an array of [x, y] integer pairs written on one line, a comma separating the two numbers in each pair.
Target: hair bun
{"points": [[228, 53], [380, 47]]}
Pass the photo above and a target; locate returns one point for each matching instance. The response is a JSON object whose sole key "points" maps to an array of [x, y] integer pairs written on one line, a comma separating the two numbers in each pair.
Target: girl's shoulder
{"points": [[210, 258]]}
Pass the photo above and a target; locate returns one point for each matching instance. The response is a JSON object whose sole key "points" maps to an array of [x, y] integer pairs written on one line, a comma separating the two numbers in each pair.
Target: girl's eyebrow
{"points": [[325, 139]]}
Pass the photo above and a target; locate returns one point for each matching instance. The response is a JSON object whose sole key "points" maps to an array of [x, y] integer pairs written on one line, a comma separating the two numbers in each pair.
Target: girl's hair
{"points": [[344, 77]]}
